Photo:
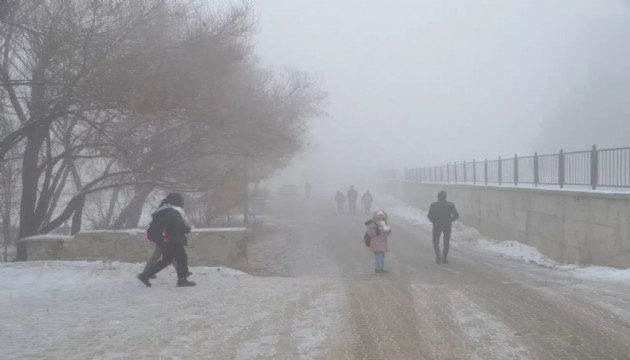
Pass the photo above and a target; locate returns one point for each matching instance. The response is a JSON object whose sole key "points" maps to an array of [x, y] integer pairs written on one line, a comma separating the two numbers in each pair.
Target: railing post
{"points": [[485, 171], [465, 172], [561, 169], [455, 170], [594, 167], [515, 170], [441, 173], [448, 174], [474, 172], [500, 171], [536, 169]]}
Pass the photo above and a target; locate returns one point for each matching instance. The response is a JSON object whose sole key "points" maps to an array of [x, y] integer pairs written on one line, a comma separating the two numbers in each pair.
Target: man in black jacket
{"points": [[352, 196], [169, 221], [442, 214]]}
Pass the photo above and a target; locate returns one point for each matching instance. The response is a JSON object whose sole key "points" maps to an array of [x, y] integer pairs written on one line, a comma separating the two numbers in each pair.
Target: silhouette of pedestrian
{"points": [[352, 195], [367, 199], [442, 214]]}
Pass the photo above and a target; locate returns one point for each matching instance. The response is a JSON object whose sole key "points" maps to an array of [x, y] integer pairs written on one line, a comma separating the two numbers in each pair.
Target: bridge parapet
{"points": [[568, 226], [206, 247]]}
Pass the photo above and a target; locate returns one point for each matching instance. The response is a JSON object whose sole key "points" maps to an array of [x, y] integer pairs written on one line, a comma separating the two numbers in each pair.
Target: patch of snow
{"points": [[124, 231], [221, 229], [602, 273], [89, 310], [518, 251], [49, 237]]}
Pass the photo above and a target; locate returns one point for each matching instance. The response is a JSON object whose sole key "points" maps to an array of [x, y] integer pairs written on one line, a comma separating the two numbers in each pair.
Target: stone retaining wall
{"points": [[206, 247]]}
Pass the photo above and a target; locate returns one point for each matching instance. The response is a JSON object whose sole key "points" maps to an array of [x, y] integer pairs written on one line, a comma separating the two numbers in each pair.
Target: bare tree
{"points": [[123, 98]]}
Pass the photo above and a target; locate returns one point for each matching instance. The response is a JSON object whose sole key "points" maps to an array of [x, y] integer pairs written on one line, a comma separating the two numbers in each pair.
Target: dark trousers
{"points": [[437, 231], [352, 207], [171, 252]]}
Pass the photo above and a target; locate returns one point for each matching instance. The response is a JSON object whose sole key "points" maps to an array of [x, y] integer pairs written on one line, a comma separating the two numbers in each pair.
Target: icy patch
{"points": [[262, 347], [492, 337], [311, 328], [602, 273]]}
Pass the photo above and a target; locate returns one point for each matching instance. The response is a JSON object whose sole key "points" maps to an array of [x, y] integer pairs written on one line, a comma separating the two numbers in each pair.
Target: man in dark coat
{"points": [[367, 199], [352, 195], [442, 214], [169, 221]]}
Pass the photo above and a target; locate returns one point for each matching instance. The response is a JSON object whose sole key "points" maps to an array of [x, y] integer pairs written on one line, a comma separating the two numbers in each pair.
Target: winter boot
{"points": [[145, 279], [444, 261], [185, 282], [438, 259]]}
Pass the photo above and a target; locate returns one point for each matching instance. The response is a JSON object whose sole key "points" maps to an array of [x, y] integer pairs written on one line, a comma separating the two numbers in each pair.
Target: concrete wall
{"points": [[567, 226], [206, 247]]}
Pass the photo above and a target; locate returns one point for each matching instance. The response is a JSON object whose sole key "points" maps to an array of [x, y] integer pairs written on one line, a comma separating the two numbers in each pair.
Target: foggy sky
{"points": [[418, 82]]}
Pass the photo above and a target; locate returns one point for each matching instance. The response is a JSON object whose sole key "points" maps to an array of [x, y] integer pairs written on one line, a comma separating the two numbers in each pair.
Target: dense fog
{"points": [[414, 83]]}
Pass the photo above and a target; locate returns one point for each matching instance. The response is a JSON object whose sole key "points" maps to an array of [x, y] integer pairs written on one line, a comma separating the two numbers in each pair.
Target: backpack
{"points": [[367, 239], [155, 233]]}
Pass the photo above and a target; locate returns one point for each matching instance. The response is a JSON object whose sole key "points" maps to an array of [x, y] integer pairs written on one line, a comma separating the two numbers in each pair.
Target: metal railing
{"points": [[595, 167]]}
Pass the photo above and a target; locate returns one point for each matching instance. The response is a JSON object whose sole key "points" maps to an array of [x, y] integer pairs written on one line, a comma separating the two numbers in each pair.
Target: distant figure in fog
{"points": [[352, 195], [376, 233], [367, 199], [340, 199], [307, 190], [442, 214]]}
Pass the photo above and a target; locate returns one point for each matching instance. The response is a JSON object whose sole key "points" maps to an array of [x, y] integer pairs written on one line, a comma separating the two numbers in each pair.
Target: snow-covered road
{"points": [[494, 300]]}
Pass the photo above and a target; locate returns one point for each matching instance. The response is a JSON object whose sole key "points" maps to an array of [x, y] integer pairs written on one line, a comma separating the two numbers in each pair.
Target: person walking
{"points": [[352, 196], [155, 234], [340, 199], [377, 231], [169, 221], [442, 214], [367, 199]]}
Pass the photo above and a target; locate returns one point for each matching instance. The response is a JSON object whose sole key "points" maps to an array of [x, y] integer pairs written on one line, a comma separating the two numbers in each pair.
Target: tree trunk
{"points": [[135, 212], [130, 215], [6, 230], [30, 180], [110, 209], [77, 217], [74, 204]]}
